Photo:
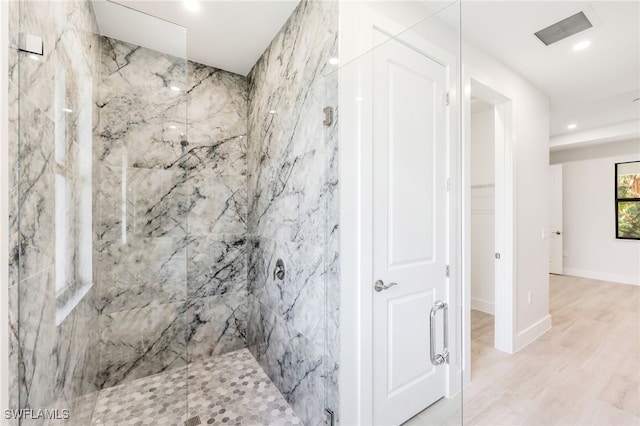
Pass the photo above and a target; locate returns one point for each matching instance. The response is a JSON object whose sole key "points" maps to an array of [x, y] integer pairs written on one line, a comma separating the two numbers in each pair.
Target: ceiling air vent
{"points": [[563, 29]]}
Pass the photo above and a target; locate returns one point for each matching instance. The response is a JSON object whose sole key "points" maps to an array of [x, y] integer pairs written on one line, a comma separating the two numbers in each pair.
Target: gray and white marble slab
{"points": [[216, 325], [217, 265], [293, 212]]}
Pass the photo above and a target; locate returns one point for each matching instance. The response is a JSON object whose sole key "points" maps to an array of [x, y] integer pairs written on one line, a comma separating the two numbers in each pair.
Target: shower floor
{"points": [[230, 389]]}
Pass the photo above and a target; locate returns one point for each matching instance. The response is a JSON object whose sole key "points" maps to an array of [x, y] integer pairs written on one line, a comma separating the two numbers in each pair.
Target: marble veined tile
{"points": [[55, 334], [217, 105], [13, 349], [139, 342], [53, 81], [287, 157], [137, 282], [163, 249], [142, 104], [141, 202], [293, 363], [217, 265], [221, 157], [298, 299], [56, 356], [216, 325], [292, 194], [36, 190], [216, 204]]}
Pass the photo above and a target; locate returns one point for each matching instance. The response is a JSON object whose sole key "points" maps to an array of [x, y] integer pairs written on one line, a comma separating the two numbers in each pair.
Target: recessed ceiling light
{"points": [[175, 88], [67, 110], [581, 45], [192, 5], [572, 126], [334, 61], [273, 111]]}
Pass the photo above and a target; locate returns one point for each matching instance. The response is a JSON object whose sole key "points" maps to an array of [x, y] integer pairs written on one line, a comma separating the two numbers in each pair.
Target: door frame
{"points": [[559, 167], [480, 86], [358, 23]]}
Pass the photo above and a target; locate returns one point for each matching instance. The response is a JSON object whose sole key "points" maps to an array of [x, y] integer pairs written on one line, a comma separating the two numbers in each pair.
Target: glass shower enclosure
{"points": [[103, 197], [143, 290]]}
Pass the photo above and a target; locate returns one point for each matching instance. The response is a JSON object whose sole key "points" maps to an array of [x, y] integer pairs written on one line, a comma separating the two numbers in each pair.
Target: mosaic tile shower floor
{"points": [[230, 389]]}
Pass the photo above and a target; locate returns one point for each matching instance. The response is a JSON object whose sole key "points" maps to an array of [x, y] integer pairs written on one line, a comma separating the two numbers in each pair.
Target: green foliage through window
{"points": [[628, 200]]}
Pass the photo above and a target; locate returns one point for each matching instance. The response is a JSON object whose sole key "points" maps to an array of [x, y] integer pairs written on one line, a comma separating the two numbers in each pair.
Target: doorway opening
{"points": [[489, 237], [483, 227]]}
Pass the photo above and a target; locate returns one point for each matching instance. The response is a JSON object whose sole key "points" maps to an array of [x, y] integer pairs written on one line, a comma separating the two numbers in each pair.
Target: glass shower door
{"points": [[102, 216]]}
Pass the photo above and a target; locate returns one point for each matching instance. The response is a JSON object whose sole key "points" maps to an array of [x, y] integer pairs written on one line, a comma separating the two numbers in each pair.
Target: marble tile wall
{"points": [[292, 169], [171, 249], [13, 19], [51, 121], [185, 237]]}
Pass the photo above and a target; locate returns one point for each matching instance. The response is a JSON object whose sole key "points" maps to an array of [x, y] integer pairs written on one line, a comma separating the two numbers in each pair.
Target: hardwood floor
{"points": [[584, 371]]}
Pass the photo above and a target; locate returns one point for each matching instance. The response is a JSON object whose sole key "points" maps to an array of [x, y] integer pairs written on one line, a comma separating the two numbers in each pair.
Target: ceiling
{"points": [[593, 88], [230, 35]]}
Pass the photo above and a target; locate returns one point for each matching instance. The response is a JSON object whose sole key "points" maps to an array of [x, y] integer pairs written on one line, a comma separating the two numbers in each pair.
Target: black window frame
{"points": [[618, 200]]}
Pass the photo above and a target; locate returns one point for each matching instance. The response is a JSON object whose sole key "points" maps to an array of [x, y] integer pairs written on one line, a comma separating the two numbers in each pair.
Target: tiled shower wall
{"points": [[292, 211], [173, 225], [172, 209], [51, 122]]}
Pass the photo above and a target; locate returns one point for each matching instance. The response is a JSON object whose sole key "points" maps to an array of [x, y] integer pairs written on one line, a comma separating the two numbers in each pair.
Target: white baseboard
{"points": [[531, 333], [482, 305], [602, 276]]}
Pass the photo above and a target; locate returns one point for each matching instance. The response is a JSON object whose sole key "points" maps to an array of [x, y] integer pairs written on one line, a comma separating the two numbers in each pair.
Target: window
{"points": [[628, 200]]}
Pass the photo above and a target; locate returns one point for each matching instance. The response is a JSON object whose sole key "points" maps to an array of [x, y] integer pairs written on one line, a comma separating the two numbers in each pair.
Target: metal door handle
{"points": [[558, 233], [443, 358], [379, 286]]}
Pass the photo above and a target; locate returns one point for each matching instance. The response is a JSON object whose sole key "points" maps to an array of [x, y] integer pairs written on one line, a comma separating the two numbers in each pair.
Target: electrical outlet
{"points": [[529, 297]]}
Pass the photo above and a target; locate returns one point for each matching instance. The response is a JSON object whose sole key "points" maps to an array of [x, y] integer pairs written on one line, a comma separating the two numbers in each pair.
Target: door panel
{"points": [[406, 348], [409, 223], [411, 215]]}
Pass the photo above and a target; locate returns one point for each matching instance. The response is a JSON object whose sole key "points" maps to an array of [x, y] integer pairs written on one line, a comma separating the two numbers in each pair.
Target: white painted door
{"points": [[409, 229], [555, 220]]}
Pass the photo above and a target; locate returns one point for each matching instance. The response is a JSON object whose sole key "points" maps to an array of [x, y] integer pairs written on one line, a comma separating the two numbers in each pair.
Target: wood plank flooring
{"points": [[584, 371]]}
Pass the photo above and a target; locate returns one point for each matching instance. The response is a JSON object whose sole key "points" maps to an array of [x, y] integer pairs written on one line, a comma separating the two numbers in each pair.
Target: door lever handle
{"points": [[380, 285]]}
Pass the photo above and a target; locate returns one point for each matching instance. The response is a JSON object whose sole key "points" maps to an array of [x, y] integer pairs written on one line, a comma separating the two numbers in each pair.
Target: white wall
{"points": [[590, 247], [482, 210]]}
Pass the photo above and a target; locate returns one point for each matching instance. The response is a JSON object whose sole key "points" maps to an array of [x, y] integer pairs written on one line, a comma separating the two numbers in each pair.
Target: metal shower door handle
{"points": [[443, 358]]}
